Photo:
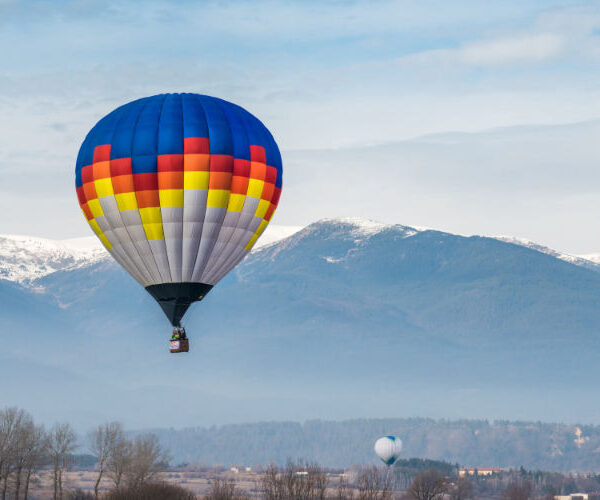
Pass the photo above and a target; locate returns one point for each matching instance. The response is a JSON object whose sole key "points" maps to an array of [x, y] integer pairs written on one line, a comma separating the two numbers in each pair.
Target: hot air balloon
{"points": [[388, 449], [178, 187]]}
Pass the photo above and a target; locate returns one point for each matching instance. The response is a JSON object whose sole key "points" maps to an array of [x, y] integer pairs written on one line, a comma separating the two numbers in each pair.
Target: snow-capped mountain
{"points": [[354, 229], [591, 261], [26, 258], [406, 314], [362, 229], [592, 257]]}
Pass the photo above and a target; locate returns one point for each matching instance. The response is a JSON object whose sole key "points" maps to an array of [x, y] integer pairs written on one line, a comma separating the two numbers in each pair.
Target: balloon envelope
{"points": [[388, 449], [178, 187]]}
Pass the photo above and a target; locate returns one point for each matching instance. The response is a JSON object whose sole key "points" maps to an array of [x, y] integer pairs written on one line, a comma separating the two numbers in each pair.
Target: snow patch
{"points": [[592, 257], [26, 258], [364, 227], [577, 260], [367, 227]]}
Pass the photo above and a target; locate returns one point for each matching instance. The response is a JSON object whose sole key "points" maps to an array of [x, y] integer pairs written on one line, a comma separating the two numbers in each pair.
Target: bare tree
{"points": [[317, 481], [34, 455], [272, 485], [146, 460], [462, 490], [118, 461], [344, 491], [223, 490], [428, 485], [102, 442], [374, 483], [303, 481], [61, 443], [11, 421], [518, 491], [152, 491], [21, 446], [27, 452]]}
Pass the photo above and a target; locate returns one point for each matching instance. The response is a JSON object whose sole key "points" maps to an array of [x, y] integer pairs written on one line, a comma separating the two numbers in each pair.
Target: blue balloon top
{"points": [[158, 125]]}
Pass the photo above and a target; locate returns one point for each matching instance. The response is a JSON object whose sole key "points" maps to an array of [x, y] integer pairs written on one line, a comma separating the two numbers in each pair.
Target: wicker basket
{"points": [[182, 345]]}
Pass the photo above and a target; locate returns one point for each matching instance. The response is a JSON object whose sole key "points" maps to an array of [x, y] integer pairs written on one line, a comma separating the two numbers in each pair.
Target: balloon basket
{"points": [[182, 345]]}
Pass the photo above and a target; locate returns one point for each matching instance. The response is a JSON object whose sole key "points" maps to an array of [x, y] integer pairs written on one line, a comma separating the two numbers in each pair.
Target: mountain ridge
{"points": [[331, 322], [24, 259], [468, 442]]}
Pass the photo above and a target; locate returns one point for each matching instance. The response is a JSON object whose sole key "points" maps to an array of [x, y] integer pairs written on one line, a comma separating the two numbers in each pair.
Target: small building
{"points": [[578, 496], [478, 471]]}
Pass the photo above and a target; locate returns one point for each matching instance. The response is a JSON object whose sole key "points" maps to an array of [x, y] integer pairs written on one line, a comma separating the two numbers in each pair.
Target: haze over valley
{"points": [[347, 316]]}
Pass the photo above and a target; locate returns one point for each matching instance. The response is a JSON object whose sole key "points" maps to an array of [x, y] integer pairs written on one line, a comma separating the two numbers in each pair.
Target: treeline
{"points": [[472, 443], [517, 484], [27, 448], [309, 481], [522, 483], [35, 459]]}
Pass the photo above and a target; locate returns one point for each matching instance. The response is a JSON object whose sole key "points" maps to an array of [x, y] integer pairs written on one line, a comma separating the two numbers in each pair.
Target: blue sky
{"points": [[326, 77]]}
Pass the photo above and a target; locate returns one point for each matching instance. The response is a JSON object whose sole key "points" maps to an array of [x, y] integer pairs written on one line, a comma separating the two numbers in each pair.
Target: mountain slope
{"points": [[341, 319], [25, 258], [590, 261], [471, 443]]}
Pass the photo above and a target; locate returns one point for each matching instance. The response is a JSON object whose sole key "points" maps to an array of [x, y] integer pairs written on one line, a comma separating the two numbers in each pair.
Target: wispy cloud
{"points": [[519, 49], [329, 75], [570, 34]]}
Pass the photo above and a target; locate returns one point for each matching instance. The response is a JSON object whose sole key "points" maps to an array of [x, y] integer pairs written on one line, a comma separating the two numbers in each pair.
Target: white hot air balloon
{"points": [[388, 448]]}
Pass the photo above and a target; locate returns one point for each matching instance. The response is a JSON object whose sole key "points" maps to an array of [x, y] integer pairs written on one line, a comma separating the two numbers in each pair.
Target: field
{"points": [[198, 482]]}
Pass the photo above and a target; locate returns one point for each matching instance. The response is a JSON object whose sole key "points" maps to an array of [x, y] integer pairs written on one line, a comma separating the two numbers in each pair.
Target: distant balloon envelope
{"points": [[388, 449], [178, 187]]}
